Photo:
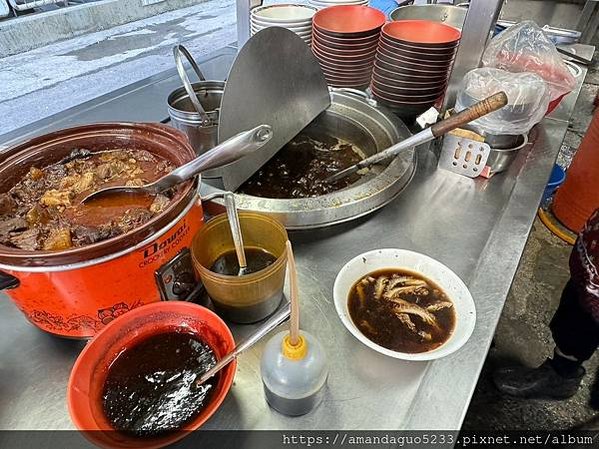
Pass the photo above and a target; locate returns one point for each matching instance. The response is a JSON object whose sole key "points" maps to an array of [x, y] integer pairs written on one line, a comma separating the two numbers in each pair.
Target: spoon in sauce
{"points": [[229, 151], [236, 232], [276, 319]]}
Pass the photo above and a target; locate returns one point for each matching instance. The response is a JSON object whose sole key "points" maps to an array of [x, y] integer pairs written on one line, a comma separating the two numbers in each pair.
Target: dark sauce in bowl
{"points": [[149, 390], [257, 259], [401, 310]]}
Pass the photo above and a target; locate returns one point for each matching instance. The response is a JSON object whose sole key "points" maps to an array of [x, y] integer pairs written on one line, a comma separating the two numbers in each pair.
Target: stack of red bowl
{"points": [[345, 40], [412, 65]]}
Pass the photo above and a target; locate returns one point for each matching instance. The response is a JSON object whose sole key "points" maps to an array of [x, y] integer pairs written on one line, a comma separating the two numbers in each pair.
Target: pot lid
{"points": [[275, 80]]}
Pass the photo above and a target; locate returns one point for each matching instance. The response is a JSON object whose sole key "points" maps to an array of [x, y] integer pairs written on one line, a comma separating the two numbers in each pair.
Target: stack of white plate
{"points": [[296, 18], [320, 4]]}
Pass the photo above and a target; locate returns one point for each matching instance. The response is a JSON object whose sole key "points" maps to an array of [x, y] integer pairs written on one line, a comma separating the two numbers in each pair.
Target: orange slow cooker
{"points": [[76, 292]]}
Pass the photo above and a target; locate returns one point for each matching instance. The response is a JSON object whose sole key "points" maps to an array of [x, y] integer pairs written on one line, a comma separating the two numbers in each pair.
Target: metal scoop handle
{"points": [[229, 151], [235, 226], [250, 341], [178, 51]]}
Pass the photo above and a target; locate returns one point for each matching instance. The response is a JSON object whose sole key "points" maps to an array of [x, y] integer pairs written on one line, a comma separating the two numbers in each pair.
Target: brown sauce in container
{"points": [[299, 169], [401, 310], [150, 391], [257, 259]]}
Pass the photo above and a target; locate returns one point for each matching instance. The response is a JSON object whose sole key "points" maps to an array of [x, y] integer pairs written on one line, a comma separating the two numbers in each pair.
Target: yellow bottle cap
{"points": [[294, 352]]}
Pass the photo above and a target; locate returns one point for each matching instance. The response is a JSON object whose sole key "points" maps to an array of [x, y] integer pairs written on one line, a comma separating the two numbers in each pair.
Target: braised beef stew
{"points": [[401, 310], [43, 211]]}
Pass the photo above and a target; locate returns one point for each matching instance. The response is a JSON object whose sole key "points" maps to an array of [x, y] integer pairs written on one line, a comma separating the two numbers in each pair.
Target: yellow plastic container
{"points": [[248, 298]]}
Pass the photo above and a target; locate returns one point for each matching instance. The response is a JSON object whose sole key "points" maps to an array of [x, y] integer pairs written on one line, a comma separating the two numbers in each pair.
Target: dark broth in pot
{"points": [[401, 310], [300, 168]]}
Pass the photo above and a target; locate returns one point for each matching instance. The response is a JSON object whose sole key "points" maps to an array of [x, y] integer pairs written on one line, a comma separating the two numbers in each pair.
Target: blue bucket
{"points": [[558, 176]]}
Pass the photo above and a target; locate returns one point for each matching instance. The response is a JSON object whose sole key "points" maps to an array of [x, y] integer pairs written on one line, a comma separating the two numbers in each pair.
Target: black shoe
{"points": [[537, 383]]}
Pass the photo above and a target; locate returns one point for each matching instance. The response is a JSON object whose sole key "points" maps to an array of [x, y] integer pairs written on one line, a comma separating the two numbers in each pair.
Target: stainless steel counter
{"points": [[476, 227]]}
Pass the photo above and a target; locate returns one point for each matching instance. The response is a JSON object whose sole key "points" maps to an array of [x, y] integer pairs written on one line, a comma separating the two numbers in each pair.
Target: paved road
{"points": [[41, 82]]}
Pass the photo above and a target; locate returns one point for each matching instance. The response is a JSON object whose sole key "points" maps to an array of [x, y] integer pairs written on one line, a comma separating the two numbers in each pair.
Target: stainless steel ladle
{"points": [[229, 151], [276, 319], [235, 226]]}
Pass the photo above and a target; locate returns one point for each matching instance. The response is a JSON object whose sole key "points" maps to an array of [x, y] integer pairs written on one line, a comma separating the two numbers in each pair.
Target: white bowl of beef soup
{"points": [[404, 304]]}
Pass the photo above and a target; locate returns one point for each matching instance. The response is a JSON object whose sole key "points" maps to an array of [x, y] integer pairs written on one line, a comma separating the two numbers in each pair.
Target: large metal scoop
{"points": [[275, 79], [231, 150]]}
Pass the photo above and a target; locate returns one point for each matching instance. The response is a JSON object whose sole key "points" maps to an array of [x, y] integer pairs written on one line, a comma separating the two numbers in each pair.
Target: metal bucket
{"points": [[202, 136], [448, 14], [195, 108]]}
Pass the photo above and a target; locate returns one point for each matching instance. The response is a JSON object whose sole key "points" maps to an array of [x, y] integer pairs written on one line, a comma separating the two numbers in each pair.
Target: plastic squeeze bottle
{"points": [[294, 365]]}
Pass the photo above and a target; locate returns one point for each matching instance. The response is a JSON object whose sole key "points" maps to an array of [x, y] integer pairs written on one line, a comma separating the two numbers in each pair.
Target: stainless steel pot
{"points": [[500, 159], [194, 108], [357, 119], [449, 14], [502, 141], [202, 136]]}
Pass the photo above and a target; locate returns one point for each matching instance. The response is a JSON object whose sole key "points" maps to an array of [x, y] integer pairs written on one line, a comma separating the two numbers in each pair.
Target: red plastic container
{"points": [[84, 392], [578, 197]]}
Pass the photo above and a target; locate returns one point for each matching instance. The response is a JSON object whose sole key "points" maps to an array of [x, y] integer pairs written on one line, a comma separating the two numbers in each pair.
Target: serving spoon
{"points": [[229, 151], [235, 226], [279, 316]]}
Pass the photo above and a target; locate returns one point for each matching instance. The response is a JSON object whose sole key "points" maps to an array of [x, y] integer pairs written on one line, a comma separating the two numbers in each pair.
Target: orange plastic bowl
{"points": [[86, 383], [348, 20], [422, 33]]}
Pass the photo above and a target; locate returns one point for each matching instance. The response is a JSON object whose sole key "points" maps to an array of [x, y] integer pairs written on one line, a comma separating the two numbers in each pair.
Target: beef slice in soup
{"points": [[401, 310]]}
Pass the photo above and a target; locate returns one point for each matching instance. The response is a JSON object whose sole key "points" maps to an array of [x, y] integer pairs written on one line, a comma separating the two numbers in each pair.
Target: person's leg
{"points": [[576, 336], [575, 332]]}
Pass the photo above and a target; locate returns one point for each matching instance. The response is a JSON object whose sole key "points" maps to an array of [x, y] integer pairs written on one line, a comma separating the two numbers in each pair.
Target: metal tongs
{"points": [[178, 51]]}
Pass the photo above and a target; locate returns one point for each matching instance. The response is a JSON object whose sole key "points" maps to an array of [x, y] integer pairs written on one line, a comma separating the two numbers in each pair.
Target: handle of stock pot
{"points": [[178, 51], [8, 281]]}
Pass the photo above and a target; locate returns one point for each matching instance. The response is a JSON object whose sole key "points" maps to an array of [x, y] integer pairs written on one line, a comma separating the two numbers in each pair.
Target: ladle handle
{"points": [[235, 228], [475, 111], [229, 151], [250, 341], [179, 50], [483, 107]]}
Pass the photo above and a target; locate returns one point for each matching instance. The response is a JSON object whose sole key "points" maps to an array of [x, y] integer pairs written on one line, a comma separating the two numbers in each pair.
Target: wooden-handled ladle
{"points": [[478, 110]]}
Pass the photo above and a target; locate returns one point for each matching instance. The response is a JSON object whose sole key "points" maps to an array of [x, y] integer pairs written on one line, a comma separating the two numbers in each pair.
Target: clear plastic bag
{"points": [[524, 47], [527, 95]]}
